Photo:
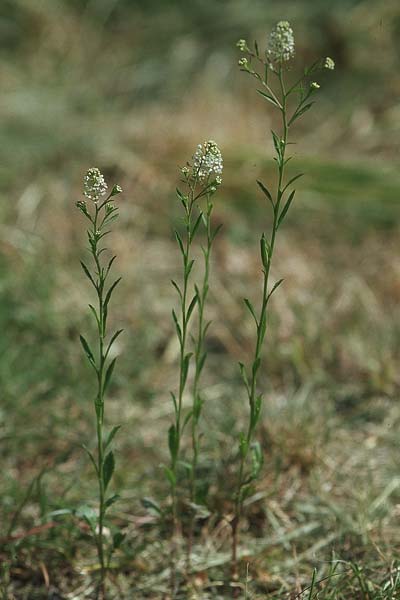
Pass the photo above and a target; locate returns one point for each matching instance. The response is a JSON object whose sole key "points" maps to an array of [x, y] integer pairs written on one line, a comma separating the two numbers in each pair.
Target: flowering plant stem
{"points": [[100, 218], [200, 356], [196, 177], [280, 50]]}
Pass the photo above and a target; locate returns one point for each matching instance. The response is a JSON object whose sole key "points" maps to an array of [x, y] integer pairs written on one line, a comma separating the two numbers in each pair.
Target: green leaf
{"points": [[274, 287], [196, 225], [90, 454], [266, 191], [174, 402], [289, 183], [185, 367], [265, 251], [251, 309], [177, 288], [243, 445], [108, 468], [111, 435], [112, 500], [180, 243], [191, 307], [92, 308], [170, 476], [173, 442], [257, 459], [87, 350], [87, 273], [300, 112], [114, 337], [110, 291], [109, 373], [286, 207], [269, 98], [177, 326]]}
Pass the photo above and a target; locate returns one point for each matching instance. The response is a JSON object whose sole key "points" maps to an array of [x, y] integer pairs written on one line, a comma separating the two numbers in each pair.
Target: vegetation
{"points": [[322, 521]]}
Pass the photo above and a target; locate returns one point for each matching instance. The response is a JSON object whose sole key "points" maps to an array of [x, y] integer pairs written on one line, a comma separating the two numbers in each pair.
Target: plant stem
{"points": [[261, 329], [199, 359]]}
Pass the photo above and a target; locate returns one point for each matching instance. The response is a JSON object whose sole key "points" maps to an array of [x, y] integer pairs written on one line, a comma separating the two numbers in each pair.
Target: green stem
{"points": [[252, 388], [199, 358]]}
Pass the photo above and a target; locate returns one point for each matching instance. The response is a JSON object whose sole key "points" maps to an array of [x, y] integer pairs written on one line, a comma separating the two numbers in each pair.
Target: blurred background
{"points": [[132, 86]]}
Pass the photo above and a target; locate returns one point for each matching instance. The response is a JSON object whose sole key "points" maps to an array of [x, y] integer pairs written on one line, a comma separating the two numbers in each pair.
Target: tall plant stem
{"points": [[199, 359], [261, 330]]}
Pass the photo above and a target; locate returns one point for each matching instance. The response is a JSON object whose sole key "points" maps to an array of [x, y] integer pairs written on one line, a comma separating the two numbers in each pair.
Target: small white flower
{"points": [[329, 63], [315, 85], [207, 161], [94, 184], [281, 42], [242, 62], [242, 45]]}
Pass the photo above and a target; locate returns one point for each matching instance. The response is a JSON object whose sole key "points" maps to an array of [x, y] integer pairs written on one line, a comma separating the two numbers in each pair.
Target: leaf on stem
{"points": [[285, 208], [110, 501], [265, 251], [274, 287], [109, 373], [185, 367], [251, 309], [89, 453], [173, 442], [87, 273], [269, 98], [114, 337], [300, 111], [266, 192], [111, 435], [108, 468], [87, 350], [177, 326]]}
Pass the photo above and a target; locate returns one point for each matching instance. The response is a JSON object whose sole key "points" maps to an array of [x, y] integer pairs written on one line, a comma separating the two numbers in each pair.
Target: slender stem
{"points": [[199, 358], [252, 387]]}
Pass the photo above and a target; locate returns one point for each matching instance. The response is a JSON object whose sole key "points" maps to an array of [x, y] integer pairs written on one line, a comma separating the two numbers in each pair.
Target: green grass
{"points": [[330, 494]]}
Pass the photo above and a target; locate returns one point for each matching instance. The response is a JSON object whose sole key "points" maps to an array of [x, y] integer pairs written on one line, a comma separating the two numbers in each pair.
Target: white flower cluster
{"points": [[207, 162], [281, 42], [94, 185], [329, 63]]}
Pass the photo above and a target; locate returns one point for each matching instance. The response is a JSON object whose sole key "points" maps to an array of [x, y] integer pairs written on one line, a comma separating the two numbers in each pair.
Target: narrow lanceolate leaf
{"points": [[108, 468], [89, 453], [87, 350], [180, 243], [266, 191], [274, 287], [185, 368], [112, 435], [109, 373], [265, 250], [269, 98], [196, 225], [191, 307], [87, 273], [110, 291], [173, 442], [114, 337], [277, 143], [251, 309], [289, 183], [170, 476], [286, 207], [176, 286], [112, 500], [300, 112], [177, 326], [92, 308], [244, 375]]}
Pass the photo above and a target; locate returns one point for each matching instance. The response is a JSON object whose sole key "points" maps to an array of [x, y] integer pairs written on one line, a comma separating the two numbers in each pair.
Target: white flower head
{"points": [[329, 63], [281, 42], [243, 62], [315, 85], [94, 185], [207, 161], [242, 45]]}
